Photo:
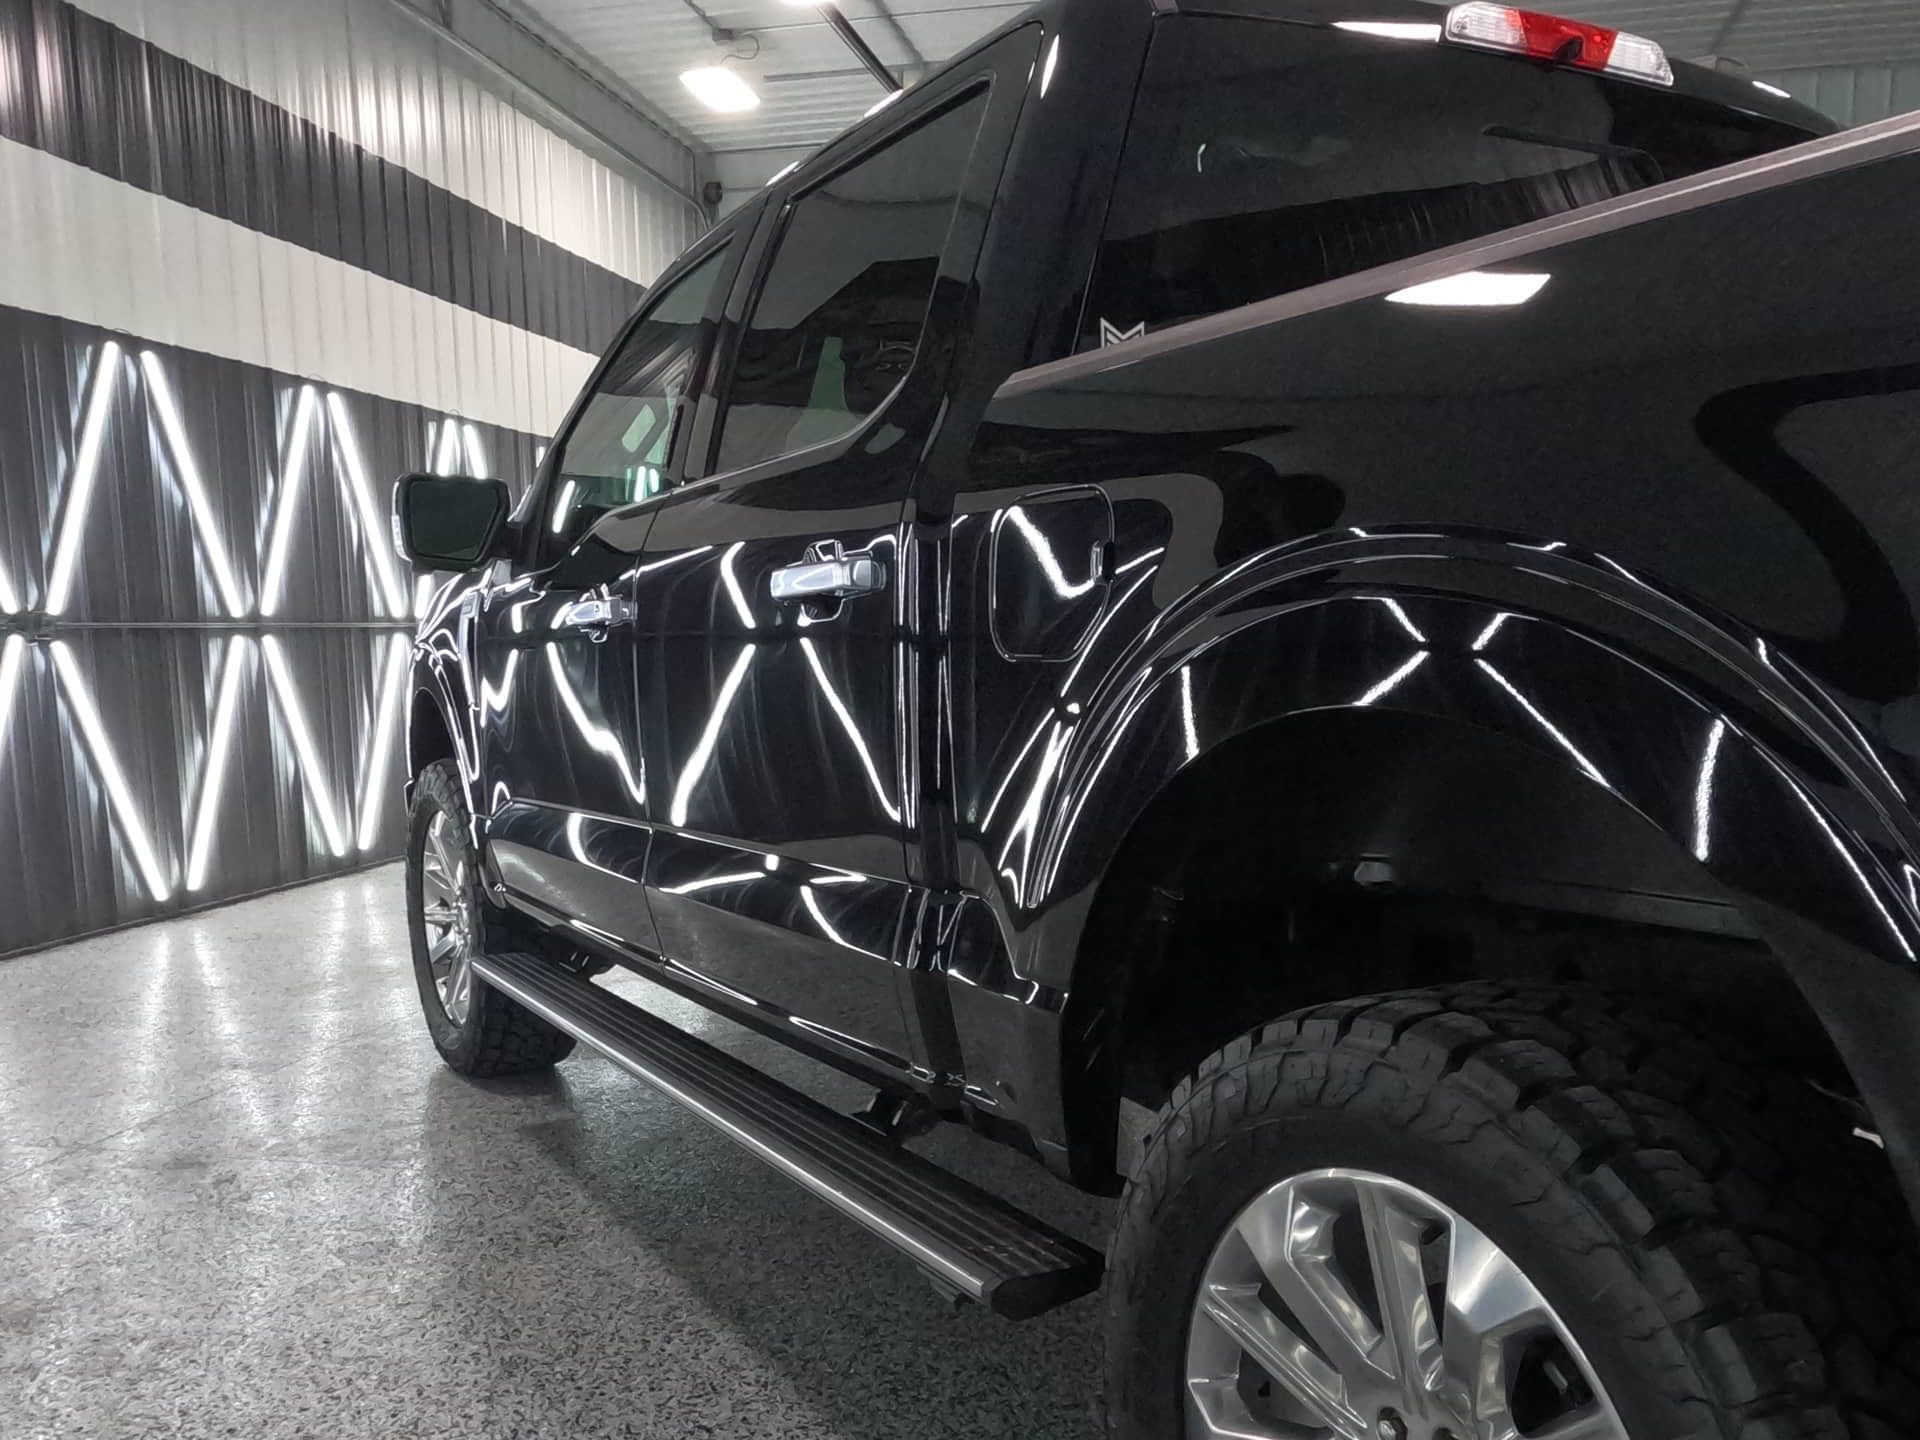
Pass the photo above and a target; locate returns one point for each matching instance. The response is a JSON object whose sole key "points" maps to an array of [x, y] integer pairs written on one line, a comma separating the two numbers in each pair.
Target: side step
{"points": [[967, 1239]]}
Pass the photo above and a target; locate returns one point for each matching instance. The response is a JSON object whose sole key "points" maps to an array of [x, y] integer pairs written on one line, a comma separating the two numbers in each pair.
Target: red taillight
{"points": [[1564, 42]]}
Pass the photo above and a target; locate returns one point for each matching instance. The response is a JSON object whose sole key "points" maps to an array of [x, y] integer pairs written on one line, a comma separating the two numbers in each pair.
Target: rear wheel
{"points": [[477, 1030], [1491, 1213]]}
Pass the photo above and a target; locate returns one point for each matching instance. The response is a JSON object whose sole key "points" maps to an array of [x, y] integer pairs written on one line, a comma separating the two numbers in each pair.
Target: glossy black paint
{"points": [[1654, 526]]}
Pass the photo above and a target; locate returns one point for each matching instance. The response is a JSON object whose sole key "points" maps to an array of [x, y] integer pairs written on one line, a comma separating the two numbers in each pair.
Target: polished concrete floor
{"points": [[239, 1196]]}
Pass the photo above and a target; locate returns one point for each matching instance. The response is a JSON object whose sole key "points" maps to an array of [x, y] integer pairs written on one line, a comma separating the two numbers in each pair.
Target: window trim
{"points": [[765, 253], [533, 556]]}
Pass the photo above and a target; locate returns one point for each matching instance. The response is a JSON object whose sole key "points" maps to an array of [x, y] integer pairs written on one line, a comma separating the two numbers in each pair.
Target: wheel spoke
{"points": [[442, 949], [1394, 1235], [1243, 1315], [1292, 1239], [1489, 1302]]}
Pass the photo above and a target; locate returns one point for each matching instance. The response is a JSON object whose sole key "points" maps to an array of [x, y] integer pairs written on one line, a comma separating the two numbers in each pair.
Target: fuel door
{"points": [[1052, 572]]}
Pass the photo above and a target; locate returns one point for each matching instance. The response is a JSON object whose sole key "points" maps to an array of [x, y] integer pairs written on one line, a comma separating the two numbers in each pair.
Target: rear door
{"points": [[563, 765], [770, 589]]}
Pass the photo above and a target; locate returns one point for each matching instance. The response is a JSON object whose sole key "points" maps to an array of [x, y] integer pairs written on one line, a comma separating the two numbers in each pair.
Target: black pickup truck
{"points": [[1305, 609]]}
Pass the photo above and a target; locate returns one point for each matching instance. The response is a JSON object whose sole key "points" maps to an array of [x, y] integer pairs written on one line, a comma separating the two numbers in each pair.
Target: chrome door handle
{"points": [[837, 577], [601, 615]]}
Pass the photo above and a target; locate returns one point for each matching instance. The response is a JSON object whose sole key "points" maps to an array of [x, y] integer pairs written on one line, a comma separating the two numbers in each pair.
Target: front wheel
{"points": [[477, 1030], [1496, 1213]]}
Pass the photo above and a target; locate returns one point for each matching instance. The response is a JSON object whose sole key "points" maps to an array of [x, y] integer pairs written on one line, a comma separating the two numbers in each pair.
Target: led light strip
{"points": [[379, 758], [184, 466], [86, 465], [311, 769], [286, 502], [12, 656], [112, 777], [373, 528], [213, 779]]}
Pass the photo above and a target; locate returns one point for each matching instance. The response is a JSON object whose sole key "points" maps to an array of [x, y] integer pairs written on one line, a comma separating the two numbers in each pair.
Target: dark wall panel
{"points": [[144, 701]]}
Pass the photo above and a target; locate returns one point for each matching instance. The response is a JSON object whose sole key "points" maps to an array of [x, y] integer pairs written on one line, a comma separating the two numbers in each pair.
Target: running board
{"points": [[968, 1240]]}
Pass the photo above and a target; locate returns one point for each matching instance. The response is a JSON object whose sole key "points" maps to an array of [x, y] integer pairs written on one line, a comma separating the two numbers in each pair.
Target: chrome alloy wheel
{"points": [[1343, 1305], [447, 909]]}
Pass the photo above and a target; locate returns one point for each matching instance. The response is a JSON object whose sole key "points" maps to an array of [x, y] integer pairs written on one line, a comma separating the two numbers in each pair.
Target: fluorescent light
{"points": [[184, 466], [12, 656], [446, 455], [9, 598], [373, 529], [1473, 289], [1773, 89], [476, 456], [721, 88], [112, 778], [86, 464], [294, 474], [874, 109], [303, 747], [379, 758], [1053, 64], [1391, 29], [219, 744]]}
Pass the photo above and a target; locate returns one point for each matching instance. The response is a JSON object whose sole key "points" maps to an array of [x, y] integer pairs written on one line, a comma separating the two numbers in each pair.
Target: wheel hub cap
{"points": [[1344, 1305], [447, 909]]}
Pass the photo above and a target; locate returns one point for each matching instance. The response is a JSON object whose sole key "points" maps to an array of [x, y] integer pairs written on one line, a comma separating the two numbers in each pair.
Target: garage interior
{"points": [[262, 257]]}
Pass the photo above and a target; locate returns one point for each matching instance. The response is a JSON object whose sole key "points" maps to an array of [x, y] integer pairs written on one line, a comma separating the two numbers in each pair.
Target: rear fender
{"points": [[1712, 741]]}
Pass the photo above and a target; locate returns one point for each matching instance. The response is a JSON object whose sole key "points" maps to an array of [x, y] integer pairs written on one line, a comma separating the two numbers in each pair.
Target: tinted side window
{"points": [[1265, 157], [618, 450], [838, 322]]}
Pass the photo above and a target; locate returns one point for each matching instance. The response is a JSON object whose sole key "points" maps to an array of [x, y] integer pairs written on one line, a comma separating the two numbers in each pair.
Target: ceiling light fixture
{"points": [[721, 88]]}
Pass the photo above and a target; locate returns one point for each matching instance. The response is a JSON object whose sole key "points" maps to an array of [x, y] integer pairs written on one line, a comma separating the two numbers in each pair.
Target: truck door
{"points": [[769, 589], [562, 763]]}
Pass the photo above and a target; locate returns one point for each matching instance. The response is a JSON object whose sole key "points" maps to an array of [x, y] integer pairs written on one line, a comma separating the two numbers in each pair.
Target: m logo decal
{"points": [[1111, 334]]}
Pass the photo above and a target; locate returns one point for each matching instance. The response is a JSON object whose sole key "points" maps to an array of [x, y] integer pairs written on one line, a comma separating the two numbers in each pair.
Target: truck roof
{"points": [[1729, 88]]}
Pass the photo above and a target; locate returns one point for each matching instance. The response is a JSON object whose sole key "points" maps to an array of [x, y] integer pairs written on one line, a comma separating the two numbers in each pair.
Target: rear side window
{"points": [[1265, 157], [839, 319]]}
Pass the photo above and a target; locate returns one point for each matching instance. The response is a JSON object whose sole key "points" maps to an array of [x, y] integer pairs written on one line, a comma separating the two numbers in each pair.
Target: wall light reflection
{"points": [[1473, 290], [709, 737], [1559, 736], [1703, 792]]}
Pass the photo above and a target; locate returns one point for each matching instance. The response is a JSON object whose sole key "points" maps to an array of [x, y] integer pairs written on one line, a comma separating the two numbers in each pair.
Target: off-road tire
{"points": [[1734, 1261], [500, 1036]]}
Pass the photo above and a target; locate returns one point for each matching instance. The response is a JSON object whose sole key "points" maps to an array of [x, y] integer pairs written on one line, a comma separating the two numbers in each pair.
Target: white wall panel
{"points": [[364, 71]]}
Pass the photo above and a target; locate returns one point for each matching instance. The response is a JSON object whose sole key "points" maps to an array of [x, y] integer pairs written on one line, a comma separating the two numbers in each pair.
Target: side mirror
{"points": [[450, 522]]}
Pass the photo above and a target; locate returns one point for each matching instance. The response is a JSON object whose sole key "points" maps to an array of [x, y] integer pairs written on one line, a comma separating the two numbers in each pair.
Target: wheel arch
{"points": [[1712, 796]]}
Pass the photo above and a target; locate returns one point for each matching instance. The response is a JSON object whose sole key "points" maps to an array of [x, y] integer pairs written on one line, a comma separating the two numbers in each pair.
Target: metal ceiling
{"points": [[812, 87]]}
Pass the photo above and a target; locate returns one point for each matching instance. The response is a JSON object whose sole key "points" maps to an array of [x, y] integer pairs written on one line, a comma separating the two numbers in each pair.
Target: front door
{"points": [[771, 590], [563, 765]]}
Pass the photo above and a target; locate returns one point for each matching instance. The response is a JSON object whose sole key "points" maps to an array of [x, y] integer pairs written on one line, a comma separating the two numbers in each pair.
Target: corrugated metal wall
{"points": [[257, 258], [1855, 94]]}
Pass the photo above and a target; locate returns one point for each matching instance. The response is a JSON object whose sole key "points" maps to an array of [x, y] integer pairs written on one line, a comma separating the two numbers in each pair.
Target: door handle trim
{"points": [[597, 614], [836, 577]]}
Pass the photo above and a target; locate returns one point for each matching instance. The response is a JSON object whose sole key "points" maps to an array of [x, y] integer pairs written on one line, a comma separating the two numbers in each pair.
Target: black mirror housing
{"points": [[450, 522]]}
